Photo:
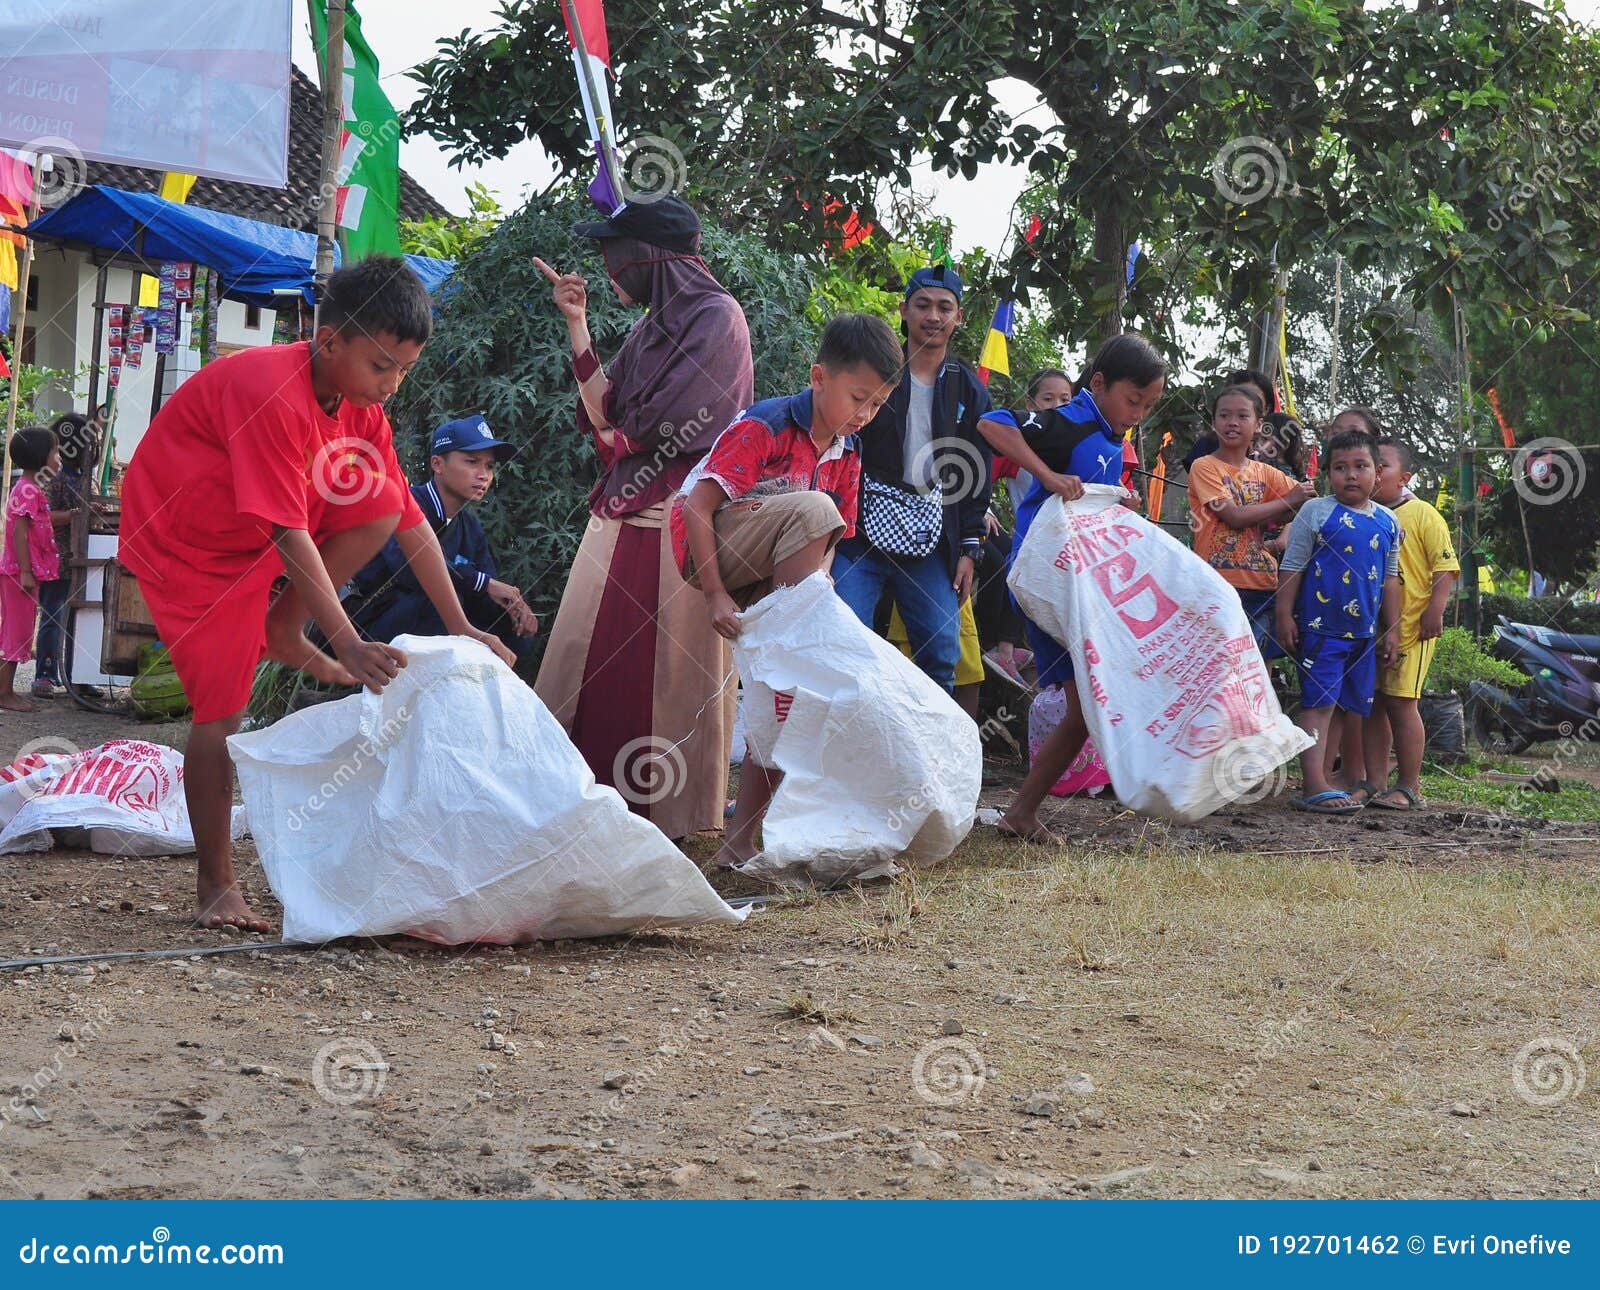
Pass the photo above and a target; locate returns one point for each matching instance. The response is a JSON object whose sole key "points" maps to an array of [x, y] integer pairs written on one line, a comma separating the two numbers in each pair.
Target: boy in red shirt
{"points": [[273, 461], [766, 507]]}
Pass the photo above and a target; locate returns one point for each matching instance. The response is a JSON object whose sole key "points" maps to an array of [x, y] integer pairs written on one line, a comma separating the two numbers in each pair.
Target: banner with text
{"points": [[202, 89]]}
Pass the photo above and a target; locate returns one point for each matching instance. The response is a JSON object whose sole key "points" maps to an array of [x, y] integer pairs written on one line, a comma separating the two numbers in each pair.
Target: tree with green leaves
{"points": [[870, 277], [1229, 138], [449, 237]]}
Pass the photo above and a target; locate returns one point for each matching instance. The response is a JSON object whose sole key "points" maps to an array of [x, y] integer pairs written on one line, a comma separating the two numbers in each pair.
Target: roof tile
{"points": [[294, 206]]}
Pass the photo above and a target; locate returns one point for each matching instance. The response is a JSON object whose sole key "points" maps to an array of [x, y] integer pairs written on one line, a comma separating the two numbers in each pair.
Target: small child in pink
{"points": [[28, 556]]}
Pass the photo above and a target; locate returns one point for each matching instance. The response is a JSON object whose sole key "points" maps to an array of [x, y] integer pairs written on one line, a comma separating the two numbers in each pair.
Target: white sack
{"points": [[879, 763], [1174, 691], [123, 797], [453, 807]]}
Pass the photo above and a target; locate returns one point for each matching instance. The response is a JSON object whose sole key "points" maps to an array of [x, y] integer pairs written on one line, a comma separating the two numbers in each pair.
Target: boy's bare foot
{"points": [[14, 702], [1028, 829], [731, 857], [292, 649], [219, 905]]}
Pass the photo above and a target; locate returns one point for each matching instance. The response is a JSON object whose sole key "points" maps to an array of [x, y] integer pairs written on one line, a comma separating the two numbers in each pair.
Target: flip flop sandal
{"points": [[1367, 788], [1322, 803], [1414, 801]]}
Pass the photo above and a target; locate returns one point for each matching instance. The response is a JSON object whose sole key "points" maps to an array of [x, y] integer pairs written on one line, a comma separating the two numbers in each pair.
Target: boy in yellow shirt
{"points": [[1428, 569]]}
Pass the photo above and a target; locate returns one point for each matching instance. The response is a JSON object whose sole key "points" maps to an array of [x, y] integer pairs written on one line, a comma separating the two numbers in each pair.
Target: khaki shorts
{"points": [[757, 534], [1404, 680]]}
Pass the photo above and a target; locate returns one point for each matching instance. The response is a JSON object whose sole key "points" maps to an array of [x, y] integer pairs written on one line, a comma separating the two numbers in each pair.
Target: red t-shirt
{"points": [[242, 446], [750, 456]]}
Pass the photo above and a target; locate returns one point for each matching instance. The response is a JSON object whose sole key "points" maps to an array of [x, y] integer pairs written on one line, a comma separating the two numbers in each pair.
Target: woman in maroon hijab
{"points": [[633, 669]]}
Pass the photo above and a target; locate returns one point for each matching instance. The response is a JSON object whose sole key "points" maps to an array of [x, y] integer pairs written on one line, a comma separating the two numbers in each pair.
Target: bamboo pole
{"points": [[1333, 366], [332, 67], [1467, 503], [96, 343]]}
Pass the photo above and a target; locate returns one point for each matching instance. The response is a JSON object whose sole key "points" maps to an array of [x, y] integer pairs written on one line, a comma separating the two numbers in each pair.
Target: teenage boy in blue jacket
{"points": [[925, 440]]}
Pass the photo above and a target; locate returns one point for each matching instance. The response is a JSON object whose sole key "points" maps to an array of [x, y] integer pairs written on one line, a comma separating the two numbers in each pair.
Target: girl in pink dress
{"points": [[28, 557]]}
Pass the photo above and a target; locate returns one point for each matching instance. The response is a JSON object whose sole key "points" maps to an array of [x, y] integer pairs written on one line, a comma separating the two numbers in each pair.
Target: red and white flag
{"points": [[591, 59]]}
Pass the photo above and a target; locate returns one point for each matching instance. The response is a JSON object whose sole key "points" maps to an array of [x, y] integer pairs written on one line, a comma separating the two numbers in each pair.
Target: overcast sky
{"points": [[403, 33]]}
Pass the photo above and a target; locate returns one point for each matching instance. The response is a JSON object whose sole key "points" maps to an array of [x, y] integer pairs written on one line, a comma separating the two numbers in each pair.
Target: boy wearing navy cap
{"points": [[463, 457]]}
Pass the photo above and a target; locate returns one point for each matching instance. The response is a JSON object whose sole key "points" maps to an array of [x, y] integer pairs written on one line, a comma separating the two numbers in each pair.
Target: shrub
{"points": [[1459, 660]]}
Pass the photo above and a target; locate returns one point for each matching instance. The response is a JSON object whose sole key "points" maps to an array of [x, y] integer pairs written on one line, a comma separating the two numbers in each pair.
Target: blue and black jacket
{"points": [[964, 458]]}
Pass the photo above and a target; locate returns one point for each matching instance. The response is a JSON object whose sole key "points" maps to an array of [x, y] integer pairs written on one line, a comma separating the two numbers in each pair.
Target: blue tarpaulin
{"points": [[255, 261]]}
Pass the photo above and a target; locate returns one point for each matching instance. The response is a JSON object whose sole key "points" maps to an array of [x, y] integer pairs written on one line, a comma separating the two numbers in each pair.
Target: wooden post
{"points": [[1271, 349], [16, 346], [160, 377], [332, 126], [95, 343], [1527, 538], [1333, 364], [1466, 501], [1469, 480]]}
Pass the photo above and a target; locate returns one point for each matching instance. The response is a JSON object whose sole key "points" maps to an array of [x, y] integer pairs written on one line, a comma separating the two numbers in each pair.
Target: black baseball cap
{"points": [[941, 276], [666, 221]]}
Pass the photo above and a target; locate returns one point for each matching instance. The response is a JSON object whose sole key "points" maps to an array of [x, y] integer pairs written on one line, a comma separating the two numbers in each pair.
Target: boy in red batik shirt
{"points": [[779, 489], [273, 461]]}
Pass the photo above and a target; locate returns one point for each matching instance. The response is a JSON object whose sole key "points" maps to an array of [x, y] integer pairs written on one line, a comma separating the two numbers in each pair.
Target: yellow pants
{"points": [[969, 667]]}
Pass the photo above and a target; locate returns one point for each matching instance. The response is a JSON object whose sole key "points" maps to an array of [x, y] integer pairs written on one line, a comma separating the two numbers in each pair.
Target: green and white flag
{"points": [[369, 149]]}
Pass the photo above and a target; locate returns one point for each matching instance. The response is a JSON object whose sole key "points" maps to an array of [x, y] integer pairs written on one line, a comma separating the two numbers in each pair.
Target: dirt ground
{"points": [[1261, 1005]]}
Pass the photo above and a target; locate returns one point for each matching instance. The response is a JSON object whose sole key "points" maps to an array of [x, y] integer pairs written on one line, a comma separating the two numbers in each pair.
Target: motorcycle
{"points": [[1561, 699]]}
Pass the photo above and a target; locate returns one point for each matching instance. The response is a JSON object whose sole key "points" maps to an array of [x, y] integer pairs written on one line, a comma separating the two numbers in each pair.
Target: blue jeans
{"points": [[53, 596], [1259, 609], [921, 588]]}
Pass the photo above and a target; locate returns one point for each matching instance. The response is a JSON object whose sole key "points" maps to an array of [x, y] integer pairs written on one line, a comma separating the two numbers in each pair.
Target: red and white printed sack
{"points": [[1174, 691]]}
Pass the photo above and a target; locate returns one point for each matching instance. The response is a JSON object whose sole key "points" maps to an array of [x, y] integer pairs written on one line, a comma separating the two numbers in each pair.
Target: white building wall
{"points": [[65, 339]]}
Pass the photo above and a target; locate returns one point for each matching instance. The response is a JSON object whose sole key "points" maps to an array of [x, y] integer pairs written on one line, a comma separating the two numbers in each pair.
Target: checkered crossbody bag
{"points": [[898, 521]]}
